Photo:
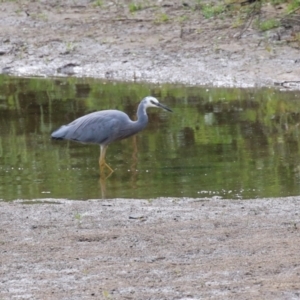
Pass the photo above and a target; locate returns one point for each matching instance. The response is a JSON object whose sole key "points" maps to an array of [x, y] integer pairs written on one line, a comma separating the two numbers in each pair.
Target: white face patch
{"points": [[151, 101]]}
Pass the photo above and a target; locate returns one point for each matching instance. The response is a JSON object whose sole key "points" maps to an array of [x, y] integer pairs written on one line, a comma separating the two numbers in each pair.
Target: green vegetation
{"points": [[70, 46], [182, 19], [107, 295], [98, 3], [133, 7], [268, 24], [263, 14], [210, 10], [161, 18], [293, 5], [78, 218], [243, 11]]}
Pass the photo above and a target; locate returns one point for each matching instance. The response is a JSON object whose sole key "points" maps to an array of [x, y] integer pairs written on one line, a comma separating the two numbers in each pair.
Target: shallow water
{"points": [[230, 143]]}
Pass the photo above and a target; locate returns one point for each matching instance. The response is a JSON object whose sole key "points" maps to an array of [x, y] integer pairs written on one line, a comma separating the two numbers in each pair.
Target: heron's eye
{"points": [[152, 102]]}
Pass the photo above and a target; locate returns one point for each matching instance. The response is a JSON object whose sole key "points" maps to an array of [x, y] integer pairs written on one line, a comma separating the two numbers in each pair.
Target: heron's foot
{"points": [[109, 168], [103, 166]]}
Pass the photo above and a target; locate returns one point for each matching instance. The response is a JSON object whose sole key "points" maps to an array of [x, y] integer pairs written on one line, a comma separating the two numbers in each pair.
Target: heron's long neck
{"points": [[142, 117]]}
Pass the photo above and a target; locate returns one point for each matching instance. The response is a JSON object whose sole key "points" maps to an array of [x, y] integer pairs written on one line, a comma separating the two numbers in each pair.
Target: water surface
{"points": [[230, 143]]}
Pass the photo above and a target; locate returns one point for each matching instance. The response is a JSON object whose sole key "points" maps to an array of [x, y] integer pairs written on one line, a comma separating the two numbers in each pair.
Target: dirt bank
{"points": [[160, 41], [160, 249]]}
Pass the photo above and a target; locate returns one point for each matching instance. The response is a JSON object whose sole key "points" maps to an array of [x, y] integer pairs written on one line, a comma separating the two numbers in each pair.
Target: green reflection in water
{"points": [[232, 143]]}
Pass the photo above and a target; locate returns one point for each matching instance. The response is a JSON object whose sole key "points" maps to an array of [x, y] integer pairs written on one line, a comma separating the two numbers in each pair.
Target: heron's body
{"points": [[99, 128], [106, 126]]}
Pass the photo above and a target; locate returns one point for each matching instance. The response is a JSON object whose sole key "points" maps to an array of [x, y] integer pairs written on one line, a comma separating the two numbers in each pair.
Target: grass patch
{"points": [[243, 11], [277, 2], [293, 5], [268, 24], [210, 11], [98, 3], [133, 7], [162, 18]]}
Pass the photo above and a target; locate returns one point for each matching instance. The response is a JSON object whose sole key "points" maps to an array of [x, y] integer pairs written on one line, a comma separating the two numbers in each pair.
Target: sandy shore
{"points": [[160, 249]]}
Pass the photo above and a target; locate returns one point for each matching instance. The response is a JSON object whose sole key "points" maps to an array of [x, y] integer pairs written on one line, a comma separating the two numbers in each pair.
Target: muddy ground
{"points": [[161, 41], [160, 249], [139, 249]]}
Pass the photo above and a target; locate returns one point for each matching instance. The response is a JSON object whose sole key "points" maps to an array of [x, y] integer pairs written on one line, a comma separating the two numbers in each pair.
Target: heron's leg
{"points": [[102, 155], [102, 162]]}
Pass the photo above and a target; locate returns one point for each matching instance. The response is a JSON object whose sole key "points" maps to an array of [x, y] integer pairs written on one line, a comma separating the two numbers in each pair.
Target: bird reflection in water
{"points": [[133, 171]]}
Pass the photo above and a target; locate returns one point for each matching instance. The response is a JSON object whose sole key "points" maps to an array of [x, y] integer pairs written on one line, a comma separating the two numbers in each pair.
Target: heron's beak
{"points": [[163, 106]]}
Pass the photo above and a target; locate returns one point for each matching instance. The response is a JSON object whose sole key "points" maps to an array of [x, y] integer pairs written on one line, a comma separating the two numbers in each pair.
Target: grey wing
{"points": [[97, 127], [126, 130]]}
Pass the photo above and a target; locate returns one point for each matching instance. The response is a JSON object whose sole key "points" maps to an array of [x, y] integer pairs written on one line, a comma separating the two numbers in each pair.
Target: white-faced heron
{"points": [[106, 126]]}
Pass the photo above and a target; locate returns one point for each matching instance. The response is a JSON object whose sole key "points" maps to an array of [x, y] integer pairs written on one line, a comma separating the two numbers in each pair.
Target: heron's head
{"points": [[153, 102]]}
